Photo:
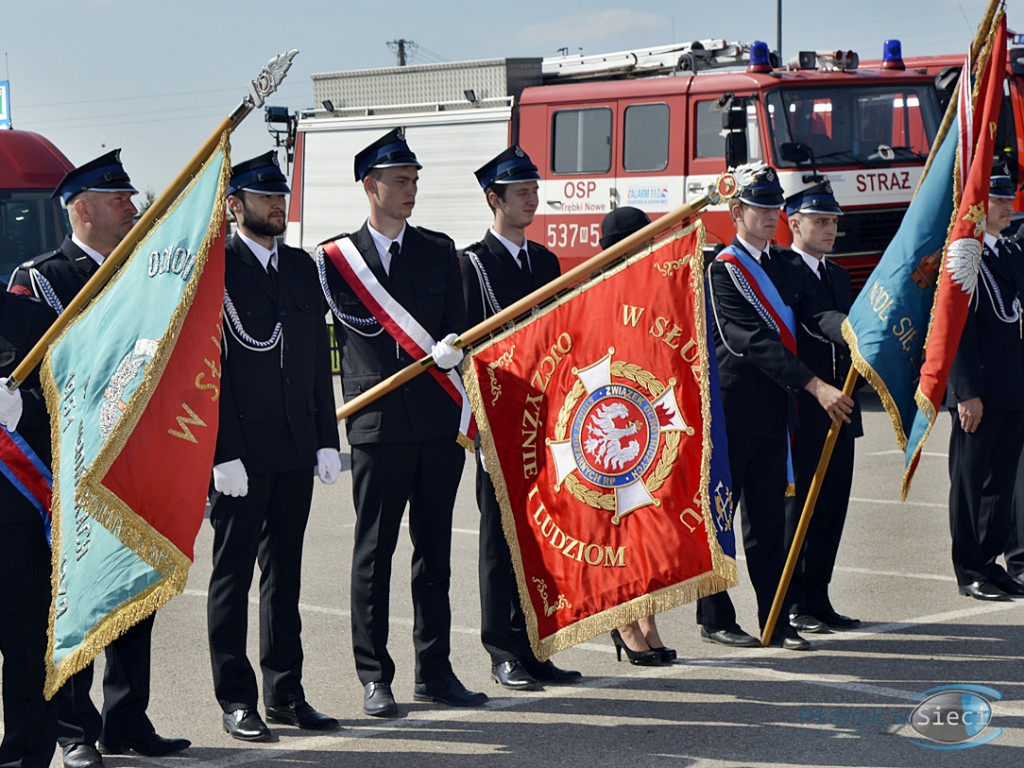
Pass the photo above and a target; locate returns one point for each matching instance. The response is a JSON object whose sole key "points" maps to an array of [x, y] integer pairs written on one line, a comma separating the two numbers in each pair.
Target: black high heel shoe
{"points": [[668, 655], [639, 658]]}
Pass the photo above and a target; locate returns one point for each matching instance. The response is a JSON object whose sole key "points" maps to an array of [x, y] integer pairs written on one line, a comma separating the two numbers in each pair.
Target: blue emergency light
{"points": [[760, 58], [892, 55]]}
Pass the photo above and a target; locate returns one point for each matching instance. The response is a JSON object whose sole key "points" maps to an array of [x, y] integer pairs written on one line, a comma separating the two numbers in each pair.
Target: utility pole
{"points": [[403, 49], [778, 31]]}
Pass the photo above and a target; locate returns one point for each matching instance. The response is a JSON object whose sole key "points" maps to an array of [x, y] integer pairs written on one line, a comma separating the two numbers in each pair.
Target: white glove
{"points": [[328, 465], [483, 461], [230, 478], [445, 355], [11, 406]]}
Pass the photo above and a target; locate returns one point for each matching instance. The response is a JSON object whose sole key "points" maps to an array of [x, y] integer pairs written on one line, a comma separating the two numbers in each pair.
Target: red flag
{"points": [[595, 419], [959, 276]]}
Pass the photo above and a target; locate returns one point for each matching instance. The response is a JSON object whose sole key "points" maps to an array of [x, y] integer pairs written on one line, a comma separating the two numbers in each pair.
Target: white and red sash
{"points": [[396, 320]]}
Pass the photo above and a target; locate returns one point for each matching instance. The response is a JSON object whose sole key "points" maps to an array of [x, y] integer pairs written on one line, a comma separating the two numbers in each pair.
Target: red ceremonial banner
{"points": [[595, 424]]}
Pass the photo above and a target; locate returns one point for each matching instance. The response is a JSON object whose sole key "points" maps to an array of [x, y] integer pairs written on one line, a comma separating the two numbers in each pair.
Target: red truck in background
{"points": [[31, 221]]}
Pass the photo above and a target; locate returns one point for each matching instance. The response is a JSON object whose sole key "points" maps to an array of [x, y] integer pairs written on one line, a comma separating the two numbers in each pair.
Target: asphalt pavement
{"points": [[846, 702]]}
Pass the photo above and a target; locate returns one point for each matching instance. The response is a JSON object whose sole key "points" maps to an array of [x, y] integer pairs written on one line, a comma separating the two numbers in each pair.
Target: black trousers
{"points": [[125, 694], [502, 625], [1014, 549], [982, 475], [808, 591], [758, 467], [30, 723], [266, 526], [386, 477]]}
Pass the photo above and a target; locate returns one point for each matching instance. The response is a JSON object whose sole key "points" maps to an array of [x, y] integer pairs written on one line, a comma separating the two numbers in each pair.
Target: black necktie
{"points": [[524, 262], [394, 250], [765, 258], [271, 269], [823, 272], [999, 247]]}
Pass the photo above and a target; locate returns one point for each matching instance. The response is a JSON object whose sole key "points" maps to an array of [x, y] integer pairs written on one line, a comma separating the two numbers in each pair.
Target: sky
{"points": [[155, 78]]}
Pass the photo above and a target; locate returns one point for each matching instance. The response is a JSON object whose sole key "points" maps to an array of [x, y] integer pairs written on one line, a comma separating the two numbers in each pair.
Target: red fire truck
{"points": [[31, 221], [646, 128]]}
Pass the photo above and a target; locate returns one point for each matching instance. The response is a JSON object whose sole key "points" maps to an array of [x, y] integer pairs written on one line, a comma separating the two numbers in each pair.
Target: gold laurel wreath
{"points": [[657, 478]]}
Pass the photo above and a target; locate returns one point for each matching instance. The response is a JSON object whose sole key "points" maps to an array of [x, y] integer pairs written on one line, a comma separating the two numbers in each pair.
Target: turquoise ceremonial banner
{"points": [[132, 387]]}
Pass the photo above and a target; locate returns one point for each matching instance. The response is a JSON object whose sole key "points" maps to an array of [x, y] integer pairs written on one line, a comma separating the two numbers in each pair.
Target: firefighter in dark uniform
{"points": [[404, 445], [496, 272], [30, 725], [813, 215], [760, 378], [277, 424], [985, 397], [98, 196]]}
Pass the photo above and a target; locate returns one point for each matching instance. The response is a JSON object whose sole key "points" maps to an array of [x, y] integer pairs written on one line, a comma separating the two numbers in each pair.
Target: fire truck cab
{"points": [[31, 221], [649, 128], [658, 142]]}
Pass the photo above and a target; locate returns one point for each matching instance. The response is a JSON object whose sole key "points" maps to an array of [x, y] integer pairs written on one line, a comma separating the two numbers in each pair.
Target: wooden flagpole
{"points": [[727, 185], [264, 85]]}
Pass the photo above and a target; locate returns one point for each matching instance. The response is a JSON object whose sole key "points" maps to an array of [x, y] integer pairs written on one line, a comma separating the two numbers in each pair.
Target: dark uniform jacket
{"points": [[276, 406], [759, 377], [66, 270], [989, 362], [828, 360], [425, 281], [505, 282], [23, 321]]}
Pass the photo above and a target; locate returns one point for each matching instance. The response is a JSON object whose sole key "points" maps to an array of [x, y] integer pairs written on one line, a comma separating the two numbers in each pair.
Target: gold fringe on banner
{"points": [[105, 507], [723, 574]]}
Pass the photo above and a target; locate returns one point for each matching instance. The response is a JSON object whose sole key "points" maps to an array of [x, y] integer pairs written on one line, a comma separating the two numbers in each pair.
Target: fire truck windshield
{"points": [[856, 123]]}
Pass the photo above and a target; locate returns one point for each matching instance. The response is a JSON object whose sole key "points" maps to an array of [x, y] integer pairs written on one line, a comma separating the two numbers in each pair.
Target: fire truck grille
{"points": [[863, 236]]}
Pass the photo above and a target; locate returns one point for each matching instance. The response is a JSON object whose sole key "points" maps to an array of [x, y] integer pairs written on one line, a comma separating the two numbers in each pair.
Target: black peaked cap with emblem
{"points": [[104, 174], [512, 166], [764, 191], [389, 151], [817, 198], [261, 175]]}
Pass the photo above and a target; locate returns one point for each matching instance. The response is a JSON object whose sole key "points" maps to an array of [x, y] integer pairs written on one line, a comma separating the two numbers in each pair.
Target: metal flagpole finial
{"points": [[270, 78], [731, 183]]}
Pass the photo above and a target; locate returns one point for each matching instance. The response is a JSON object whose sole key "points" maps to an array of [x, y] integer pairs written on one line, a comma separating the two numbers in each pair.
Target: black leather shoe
{"points": [[300, 714], [787, 637], [246, 725], [448, 690], [150, 745], [1008, 585], [804, 622], [734, 636], [378, 700], [82, 756], [513, 675], [547, 672], [835, 620], [983, 590]]}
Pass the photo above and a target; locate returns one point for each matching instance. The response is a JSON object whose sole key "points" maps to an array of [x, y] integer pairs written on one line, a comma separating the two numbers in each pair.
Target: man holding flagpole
{"points": [[396, 294], [813, 214], [97, 196], [30, 726], [757, 296]]}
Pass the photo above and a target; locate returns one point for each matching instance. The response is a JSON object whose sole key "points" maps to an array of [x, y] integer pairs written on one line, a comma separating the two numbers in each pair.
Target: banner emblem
{"points": [[615, 432]]}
